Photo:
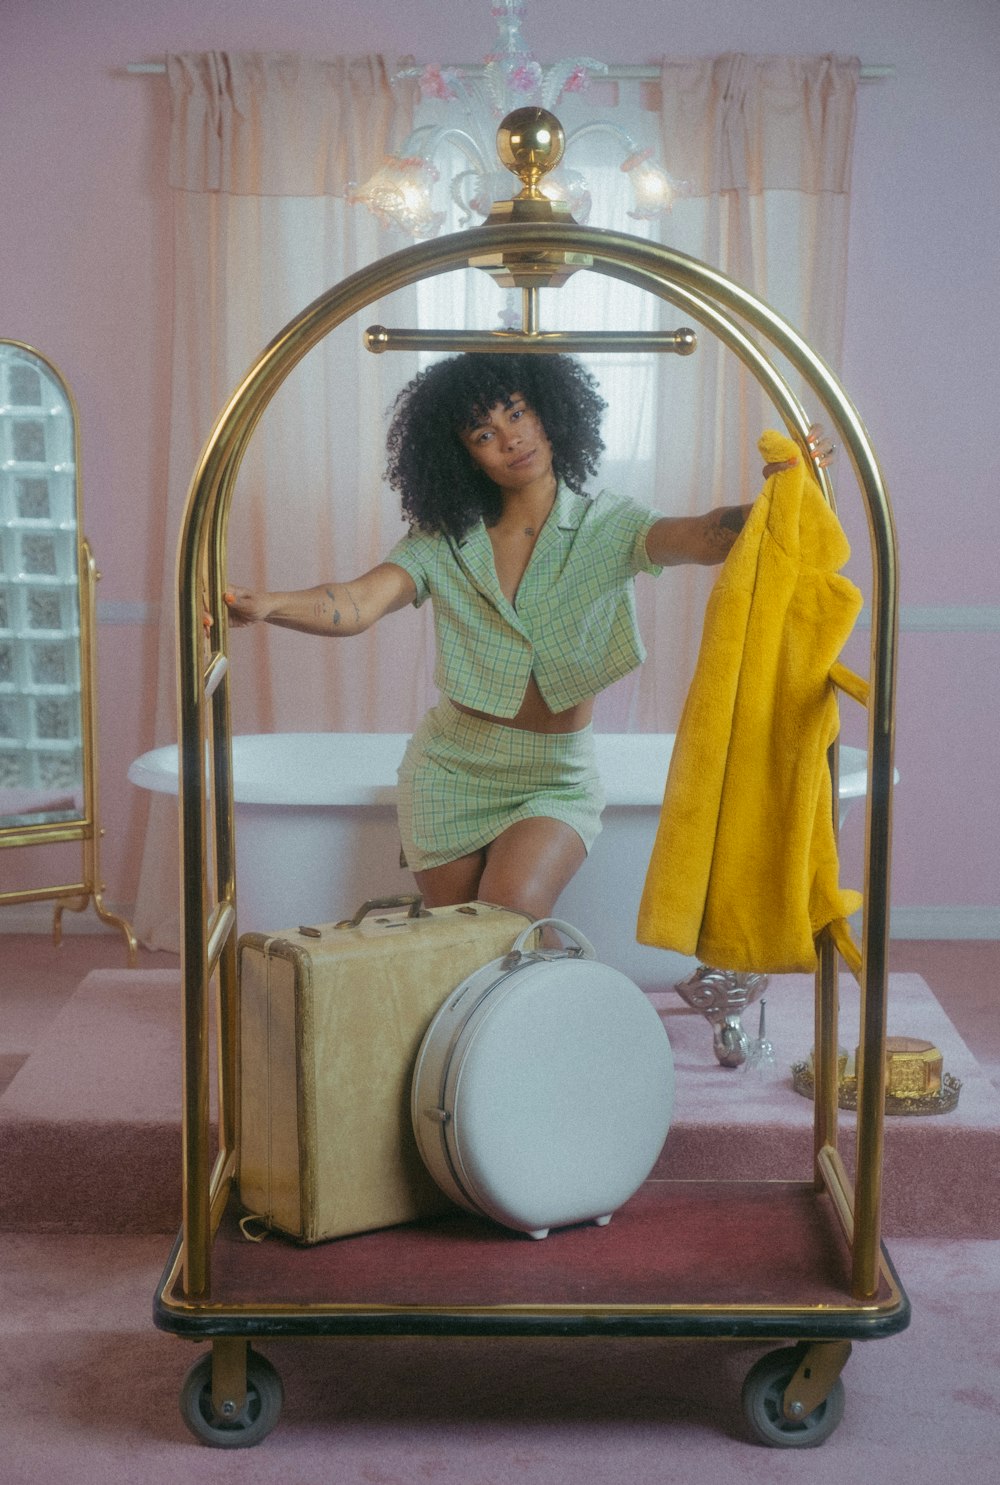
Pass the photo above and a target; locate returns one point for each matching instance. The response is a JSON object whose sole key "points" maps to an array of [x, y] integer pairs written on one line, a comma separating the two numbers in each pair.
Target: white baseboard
{"points": [[36, 917], [906, 922], [943, 618], [945, 922]]}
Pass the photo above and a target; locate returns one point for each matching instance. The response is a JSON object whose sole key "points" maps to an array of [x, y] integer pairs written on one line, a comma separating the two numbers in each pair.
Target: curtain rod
{"points": [[620, 72]]}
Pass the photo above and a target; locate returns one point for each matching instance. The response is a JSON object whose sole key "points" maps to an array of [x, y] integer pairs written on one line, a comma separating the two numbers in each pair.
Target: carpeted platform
{"points": [[90, 1125], [90, 1141], [736, 1125]]}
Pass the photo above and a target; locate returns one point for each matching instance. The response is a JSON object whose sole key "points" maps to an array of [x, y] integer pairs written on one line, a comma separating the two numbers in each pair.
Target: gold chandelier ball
{"points": [[530, 142]]}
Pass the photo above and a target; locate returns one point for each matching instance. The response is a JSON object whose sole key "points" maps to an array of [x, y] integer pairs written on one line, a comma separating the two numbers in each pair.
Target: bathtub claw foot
{"points": [[722, 995]]}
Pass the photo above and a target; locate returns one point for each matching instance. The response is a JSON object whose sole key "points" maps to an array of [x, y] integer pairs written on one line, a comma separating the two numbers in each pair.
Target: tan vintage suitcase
{"points": [[331, 1019]]}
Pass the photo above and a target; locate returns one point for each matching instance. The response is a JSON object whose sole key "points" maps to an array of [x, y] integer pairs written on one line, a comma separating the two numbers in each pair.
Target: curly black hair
{"points": [[442, 489]]}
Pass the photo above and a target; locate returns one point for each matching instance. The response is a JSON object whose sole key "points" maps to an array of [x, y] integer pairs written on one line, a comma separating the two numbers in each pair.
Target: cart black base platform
{"points": [[753, 1260]]}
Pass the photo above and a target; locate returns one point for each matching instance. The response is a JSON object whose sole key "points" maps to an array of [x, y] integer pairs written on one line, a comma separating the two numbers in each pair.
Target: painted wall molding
{"points": [[952, 922], [926, 618], [118, 611], [36, 917], [943, 618]]}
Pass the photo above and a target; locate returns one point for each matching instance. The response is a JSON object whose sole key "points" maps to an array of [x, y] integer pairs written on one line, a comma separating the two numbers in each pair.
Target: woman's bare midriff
{"points": [[534, 716]]}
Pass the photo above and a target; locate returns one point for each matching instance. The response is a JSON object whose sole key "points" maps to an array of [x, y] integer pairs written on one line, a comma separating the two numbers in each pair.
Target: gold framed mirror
{"points": [[48, 760]]}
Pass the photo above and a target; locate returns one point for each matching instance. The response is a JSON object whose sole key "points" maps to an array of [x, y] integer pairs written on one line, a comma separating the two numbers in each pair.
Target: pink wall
{"points": [[85, 273]]}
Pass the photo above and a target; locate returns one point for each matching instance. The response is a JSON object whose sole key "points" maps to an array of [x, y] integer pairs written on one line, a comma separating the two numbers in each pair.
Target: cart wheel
{"points": [[255, 1419], [763, 1394]]}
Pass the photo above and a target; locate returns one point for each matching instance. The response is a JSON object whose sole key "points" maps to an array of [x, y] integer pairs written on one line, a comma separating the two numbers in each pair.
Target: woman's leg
{"points": [[524, 869], [530, 863], [454, 882]]}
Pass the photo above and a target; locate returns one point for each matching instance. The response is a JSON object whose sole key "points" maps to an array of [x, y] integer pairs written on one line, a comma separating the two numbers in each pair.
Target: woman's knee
{"points": [[528, 866], [534, 899]]}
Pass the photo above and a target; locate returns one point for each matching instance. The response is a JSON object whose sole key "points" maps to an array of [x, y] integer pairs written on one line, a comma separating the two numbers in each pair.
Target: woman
{"points": [[531, 583]]}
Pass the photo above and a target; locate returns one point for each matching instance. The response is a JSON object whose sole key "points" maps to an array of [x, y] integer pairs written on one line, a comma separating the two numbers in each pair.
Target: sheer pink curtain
{"points": [[760, 138], [764, 147], [262, 150]]}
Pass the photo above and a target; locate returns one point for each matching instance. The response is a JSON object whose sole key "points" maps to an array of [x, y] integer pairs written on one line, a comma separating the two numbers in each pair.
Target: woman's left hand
{"points": [[821, 451]]}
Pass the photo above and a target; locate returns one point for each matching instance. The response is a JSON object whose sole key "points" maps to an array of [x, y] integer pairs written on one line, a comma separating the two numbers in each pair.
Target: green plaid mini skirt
{"points": [[463, 780]]}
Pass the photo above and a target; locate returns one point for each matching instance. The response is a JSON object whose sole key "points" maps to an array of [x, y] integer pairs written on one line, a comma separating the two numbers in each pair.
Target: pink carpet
{"points": [[89, 1126], [90, 1141], [734, 1125], [90, 1393]]}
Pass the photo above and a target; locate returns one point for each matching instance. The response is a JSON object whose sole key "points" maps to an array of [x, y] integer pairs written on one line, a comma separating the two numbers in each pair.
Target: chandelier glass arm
{"points": [[427, 140]]}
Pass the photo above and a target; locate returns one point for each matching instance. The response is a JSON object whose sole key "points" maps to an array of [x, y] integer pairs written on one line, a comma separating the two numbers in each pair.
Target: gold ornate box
{"points": [[916, 1082], [913, 1068]]}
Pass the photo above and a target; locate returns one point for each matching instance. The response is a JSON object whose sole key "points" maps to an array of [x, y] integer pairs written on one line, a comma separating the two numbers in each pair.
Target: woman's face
{"points": [[509, 444]]}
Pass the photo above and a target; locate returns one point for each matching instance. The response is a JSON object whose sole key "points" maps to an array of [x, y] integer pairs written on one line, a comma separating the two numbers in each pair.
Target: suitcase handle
{"points": [[584, 949], [411, 900]]}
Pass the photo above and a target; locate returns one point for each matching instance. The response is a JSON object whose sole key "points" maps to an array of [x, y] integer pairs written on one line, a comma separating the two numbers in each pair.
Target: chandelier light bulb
{"points": [[399, 195], [569, 186], [652, 187]]}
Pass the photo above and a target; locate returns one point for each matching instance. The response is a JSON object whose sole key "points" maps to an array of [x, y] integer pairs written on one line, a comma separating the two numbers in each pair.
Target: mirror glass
{"points": [[41, 718]]}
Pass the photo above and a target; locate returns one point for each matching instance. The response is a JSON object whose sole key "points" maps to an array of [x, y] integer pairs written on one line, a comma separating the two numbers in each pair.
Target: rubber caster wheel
{"points": [[763, 1392], [255, 1419]]}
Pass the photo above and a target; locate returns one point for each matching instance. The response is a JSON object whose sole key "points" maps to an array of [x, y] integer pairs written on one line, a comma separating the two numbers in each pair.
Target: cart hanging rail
{"points": [[530, 253]]}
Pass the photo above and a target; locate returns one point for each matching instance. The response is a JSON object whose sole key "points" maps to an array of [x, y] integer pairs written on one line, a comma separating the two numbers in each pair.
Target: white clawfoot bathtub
{"points": [[316, 833]]}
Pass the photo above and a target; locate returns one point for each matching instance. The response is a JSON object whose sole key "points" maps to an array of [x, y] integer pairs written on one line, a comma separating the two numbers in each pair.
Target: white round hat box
{"points": [[543, 1089]]}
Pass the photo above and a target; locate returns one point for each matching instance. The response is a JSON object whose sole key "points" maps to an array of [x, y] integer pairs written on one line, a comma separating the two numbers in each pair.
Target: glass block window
{"points": [[10, 716], [28, 441], [11, 770], [40, 715], [48, 665], [24, 385], [55, 719], [60, 770], [38, 555], [44, 610], [32, 500]]}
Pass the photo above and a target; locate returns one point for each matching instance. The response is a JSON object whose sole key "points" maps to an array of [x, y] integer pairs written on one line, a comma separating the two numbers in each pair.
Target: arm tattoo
{"points": [[724, 531], [332, 595], [357, 611]]}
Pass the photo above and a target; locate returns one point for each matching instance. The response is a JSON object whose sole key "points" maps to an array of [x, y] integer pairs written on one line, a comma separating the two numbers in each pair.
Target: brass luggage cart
{"points": [[821, 1278]]}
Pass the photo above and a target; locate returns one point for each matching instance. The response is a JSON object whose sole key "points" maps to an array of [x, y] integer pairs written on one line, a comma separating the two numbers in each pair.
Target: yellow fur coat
{"points": [[744, 870]]}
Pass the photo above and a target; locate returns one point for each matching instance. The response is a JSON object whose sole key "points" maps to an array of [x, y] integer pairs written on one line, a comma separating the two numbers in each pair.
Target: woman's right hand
{"points": [[246, 607], [821, 450]]}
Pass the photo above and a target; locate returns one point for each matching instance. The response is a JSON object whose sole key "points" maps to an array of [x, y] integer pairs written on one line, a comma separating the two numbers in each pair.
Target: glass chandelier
{"points": [[401, 191]]}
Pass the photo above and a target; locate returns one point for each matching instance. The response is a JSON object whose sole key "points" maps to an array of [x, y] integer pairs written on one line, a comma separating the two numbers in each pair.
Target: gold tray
{"points": [[940, 1102]]}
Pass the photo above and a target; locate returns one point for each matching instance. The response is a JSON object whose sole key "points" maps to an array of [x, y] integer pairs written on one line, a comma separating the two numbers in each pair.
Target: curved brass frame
{"points": [[84, 828], [208, 909]]}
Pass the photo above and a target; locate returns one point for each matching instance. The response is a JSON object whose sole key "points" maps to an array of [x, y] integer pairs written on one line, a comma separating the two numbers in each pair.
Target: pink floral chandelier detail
{"points": [[401, 191]]}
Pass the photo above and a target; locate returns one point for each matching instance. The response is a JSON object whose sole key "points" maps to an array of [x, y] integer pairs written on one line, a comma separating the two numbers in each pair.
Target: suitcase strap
{"points": [[584, 948]]}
